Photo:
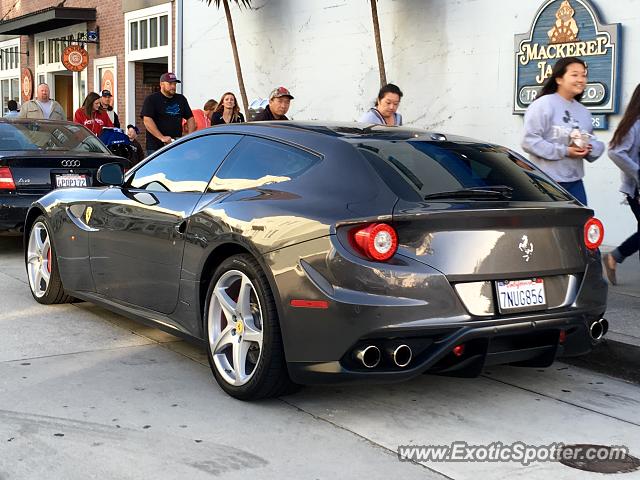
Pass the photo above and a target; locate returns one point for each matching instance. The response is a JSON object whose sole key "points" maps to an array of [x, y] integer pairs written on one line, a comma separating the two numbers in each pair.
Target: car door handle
{"points": [[181, 227]]}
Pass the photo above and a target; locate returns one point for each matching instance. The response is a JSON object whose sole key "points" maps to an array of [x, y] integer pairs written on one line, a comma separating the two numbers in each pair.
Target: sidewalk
{"points": [[619, 353]]}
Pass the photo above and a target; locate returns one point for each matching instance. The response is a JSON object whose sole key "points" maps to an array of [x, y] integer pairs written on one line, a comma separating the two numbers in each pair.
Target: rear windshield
{"points": [[35, 135], [417, 169]]}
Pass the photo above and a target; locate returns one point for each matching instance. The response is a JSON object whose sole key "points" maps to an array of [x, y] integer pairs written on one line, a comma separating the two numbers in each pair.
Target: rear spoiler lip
{"points": [[521, 209]]}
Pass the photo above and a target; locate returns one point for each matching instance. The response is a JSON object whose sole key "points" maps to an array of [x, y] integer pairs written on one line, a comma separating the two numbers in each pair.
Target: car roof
{"points": [[330, 132]]}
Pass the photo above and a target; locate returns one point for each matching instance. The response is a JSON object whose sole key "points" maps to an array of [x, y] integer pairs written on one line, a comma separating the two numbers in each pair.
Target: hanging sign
{"points": [[568, 28], [26, 81], [75, 58]]}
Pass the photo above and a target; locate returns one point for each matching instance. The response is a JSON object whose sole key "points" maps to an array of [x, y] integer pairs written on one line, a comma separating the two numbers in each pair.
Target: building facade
{"points": [[454, 61], [129, 44]]}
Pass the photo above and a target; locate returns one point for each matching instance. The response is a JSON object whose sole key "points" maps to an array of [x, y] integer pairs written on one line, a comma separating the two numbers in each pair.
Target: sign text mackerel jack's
{"points": [[569, 28]]}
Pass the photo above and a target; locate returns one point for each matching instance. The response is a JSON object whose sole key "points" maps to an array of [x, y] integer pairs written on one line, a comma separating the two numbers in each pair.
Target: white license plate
{"points": [[521, 294], [69, 180]]}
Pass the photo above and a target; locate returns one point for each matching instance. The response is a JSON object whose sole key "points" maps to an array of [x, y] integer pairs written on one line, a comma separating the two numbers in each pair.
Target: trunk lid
{"points": [[40, 172], [480, 240]]}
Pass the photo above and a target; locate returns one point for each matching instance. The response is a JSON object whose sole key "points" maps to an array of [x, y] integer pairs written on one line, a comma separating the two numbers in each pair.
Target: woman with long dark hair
{"points": [[558, 130], [227, 111], [624, 150], [91, 114]]}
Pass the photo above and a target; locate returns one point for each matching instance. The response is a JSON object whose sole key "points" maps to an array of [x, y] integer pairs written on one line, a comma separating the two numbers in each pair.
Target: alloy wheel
{"points": [[39, 259], [235, 327]]}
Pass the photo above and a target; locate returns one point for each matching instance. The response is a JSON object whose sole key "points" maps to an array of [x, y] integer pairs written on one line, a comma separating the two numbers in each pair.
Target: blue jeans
{"points": [[576, 189], [632, 244], [149, 152]]}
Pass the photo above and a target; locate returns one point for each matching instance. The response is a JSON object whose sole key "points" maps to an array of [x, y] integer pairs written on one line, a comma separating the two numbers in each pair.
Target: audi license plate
{"points": [[521, 294], [71, 180]]}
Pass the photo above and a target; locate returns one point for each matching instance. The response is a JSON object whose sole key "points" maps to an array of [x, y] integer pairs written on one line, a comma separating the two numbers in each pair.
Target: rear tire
{"points": [[42, 266], [244, 343]]}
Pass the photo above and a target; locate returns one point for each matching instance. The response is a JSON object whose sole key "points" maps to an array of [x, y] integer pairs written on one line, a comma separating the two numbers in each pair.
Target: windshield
{"points": [[37, 135], [417, 170]]}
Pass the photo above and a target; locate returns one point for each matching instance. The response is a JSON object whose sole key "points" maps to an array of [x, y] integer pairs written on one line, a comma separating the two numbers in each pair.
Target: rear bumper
{"points": [[410, 303], [13, 211], [524, 342]]}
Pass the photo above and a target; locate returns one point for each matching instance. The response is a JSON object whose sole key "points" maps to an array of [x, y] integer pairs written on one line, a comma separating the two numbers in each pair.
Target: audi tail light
{"points": [[6, 179], [593, 233], [376, 241]]}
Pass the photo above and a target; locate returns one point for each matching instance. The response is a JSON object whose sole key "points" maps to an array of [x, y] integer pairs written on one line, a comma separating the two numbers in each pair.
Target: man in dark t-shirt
{"points": [[162, 114], [279, 101]]}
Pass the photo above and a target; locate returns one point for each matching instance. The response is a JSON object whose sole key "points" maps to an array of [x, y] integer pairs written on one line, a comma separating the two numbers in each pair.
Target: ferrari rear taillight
{"points": [[6, 179], [376, 241], [593, 233]]}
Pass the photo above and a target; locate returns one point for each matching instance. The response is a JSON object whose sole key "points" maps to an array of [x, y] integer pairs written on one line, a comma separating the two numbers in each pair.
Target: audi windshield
{"points": [[19, 135]]}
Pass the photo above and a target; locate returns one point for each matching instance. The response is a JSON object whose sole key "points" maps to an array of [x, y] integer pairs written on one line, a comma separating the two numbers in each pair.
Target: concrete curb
{"points": [[611, 357]]}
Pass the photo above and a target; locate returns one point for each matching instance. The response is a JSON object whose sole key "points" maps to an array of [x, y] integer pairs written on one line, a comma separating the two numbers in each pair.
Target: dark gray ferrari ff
{"points": [[302, 253]]}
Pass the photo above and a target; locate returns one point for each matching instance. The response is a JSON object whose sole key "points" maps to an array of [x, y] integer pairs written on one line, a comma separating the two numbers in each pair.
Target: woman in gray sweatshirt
{"points": [[557, 127], [624, 150]]}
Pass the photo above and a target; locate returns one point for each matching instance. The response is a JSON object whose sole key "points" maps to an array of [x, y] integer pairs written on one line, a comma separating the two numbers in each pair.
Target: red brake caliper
{"points": [[49, 260]]}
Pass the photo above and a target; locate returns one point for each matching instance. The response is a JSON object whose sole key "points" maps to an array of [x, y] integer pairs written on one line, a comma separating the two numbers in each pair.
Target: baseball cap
{"points": [[134, 127], [280, 92], [106, 93], [169, 77]]}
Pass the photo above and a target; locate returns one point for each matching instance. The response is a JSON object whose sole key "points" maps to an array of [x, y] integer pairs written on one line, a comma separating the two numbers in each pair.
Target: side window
{"points": [[187, 167], [257, 162]]}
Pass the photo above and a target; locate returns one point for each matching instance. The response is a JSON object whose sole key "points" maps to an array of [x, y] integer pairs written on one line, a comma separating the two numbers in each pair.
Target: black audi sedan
{"points": [[302, 253], [37, 156]]}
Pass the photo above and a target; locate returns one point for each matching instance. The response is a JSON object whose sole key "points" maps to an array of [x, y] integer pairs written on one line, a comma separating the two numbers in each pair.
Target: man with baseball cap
{"points": [[105, 103], [162, 114], [279, 101]]}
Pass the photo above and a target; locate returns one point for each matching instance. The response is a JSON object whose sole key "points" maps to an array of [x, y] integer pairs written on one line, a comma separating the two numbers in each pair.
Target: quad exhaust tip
{"points": [[598, 329], [401, 355], [369, 356]]}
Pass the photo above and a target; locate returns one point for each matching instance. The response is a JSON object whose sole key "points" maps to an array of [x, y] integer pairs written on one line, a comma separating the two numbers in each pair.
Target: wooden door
{"points": [[64, 94]]}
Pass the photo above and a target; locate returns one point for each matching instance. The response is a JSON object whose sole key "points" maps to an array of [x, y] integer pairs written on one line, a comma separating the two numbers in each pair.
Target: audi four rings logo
{"points": [[70, 163]]}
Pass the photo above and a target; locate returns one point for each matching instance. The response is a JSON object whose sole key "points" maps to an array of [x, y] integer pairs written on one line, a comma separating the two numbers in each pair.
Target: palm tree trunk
{"points": [[236, 59], [376, 33]]}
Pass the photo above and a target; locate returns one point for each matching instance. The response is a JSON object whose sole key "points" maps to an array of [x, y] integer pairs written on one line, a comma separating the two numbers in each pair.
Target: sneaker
{"points": [[610, 266]]}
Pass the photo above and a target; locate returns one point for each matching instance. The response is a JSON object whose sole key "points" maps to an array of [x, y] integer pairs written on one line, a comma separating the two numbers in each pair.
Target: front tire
{"points": [[42, 266], [244, 344]]}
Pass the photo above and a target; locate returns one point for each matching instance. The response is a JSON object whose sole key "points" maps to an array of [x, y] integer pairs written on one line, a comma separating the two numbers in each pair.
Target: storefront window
{"points": [[153, 32], [41, 52], [52, 47], [59, 46], [150, 32], [134, 36], [9, 90], [164, 30], [9, 74], [8, 58], [15, 89], [143, 33]]}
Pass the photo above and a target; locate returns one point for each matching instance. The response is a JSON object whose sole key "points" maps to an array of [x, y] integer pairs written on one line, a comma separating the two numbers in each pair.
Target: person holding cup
{"points": [[558, 129]]}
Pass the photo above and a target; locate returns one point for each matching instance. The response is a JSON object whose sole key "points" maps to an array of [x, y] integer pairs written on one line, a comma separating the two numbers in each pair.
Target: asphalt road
{"points": [[85, 393]]}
